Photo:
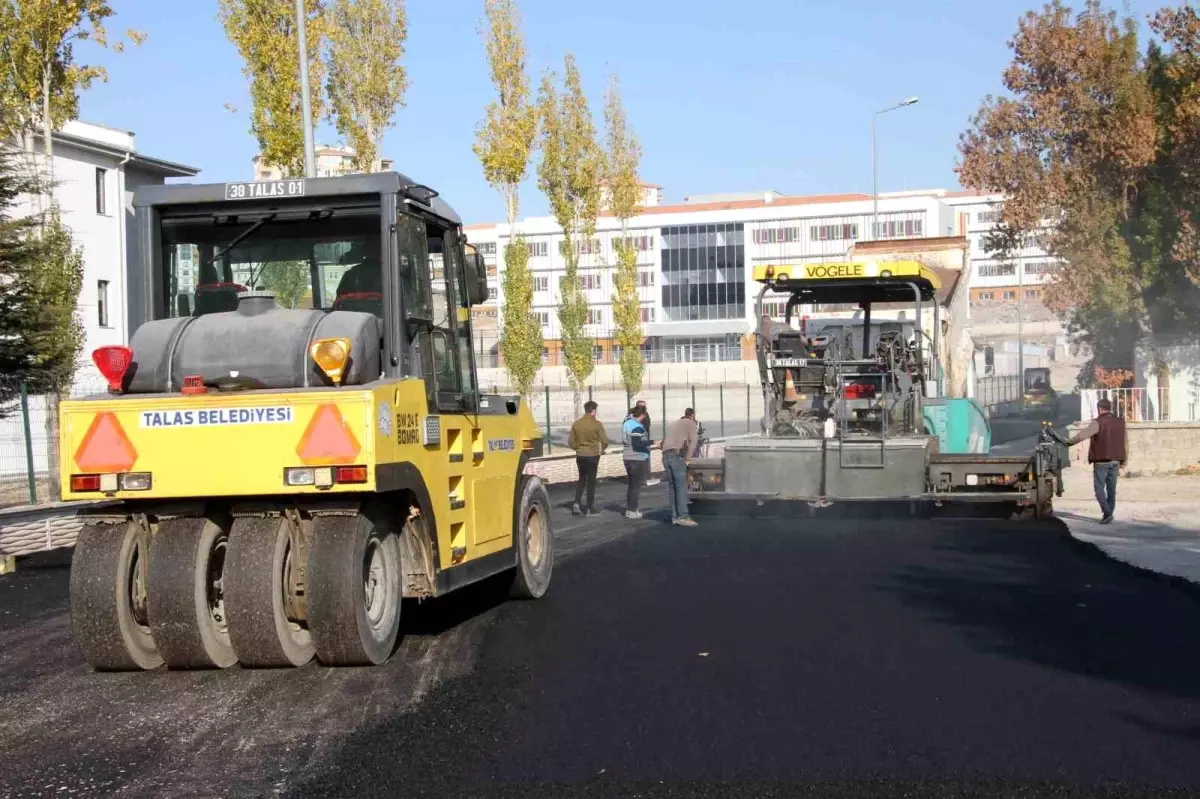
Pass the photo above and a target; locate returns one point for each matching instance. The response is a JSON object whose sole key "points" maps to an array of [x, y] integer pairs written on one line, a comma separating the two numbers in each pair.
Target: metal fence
{"points": [[997, 390], [1141, 404], [25, 432]]}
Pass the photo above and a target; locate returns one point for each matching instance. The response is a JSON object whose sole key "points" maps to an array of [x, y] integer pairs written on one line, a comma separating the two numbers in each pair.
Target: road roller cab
{"points": [[294, 438]]}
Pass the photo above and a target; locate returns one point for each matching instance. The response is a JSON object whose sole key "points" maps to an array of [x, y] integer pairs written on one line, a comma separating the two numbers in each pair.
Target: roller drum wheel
{"points": [[108, 608], [257, 574], [187, 603], [354, 577]]}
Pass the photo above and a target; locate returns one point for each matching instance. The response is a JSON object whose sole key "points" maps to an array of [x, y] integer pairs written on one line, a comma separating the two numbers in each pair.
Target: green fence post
{"points": [[549, 444], [664, 413], [722, 388], [28, 444]]}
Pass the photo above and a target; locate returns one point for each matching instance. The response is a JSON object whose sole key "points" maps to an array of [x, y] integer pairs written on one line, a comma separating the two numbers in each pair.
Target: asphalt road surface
{"points": [[839, 657]]}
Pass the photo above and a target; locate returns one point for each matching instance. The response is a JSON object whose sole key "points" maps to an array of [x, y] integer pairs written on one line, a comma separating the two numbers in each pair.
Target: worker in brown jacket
{"points": [[677, 449], [1107, 452], [589, 439]]}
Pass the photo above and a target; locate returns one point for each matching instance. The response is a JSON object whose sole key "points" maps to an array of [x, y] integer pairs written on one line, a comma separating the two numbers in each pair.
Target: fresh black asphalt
{"points": [[746, 657]]}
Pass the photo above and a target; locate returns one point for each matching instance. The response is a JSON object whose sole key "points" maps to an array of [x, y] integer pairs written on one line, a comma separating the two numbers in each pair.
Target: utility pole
{"points": [[1021, 330], [875, 166], [310, 168]]}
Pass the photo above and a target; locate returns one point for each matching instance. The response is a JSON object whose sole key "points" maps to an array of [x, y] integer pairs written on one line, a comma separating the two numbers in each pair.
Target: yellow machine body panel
{"points": [[239, 444], [848, 270]]}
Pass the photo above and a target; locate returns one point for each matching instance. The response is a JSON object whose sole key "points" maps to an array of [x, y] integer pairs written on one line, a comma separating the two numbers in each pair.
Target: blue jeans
{"points": [[1104, 478], [676, 468]]}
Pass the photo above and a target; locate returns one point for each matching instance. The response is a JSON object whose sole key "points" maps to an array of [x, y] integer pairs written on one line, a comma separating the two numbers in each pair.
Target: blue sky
{"points": [[724, 96]]}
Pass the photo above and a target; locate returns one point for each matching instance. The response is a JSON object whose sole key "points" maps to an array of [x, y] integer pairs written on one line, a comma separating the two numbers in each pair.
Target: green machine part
{"points": [[960, 425]]}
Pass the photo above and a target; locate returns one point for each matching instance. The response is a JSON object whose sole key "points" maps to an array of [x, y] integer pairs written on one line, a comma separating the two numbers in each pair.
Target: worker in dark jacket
{"points": [[636, 458], [1107, 452], [641, 405], [589, 439]]}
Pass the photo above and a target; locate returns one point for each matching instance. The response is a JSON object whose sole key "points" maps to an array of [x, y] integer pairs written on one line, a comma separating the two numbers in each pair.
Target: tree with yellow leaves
{"points": [[264, 32], [504, 142], [569, 174], [366, 80], [622, 156], [40, 79]]}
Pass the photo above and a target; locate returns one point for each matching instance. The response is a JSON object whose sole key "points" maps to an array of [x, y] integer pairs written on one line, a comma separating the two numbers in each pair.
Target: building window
{"points": [[645, 279], [1038, 240], [833, 232], [1041, 267], [899, 228], [589, 247], [595, 316], [1010, 295], [776, 235], [1031, 294], [491, 291], [102, 302], [703, 272], [537, 249], [997, 270], [540, 282], [987, 217], [486, 248], [101, 191], [647, 314], [597, 353], [543, 318], [639, 243], [987, 295], [588, 281]]}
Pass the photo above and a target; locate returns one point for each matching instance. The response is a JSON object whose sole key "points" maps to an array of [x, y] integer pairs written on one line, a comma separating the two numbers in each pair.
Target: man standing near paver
{"points": [[677, 449], [589, 440], [636, 458], [1107, 453], [641, 405]]}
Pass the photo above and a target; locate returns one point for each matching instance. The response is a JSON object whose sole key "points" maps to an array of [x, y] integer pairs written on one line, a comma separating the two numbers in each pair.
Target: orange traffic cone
{"points": [[789, 388]]}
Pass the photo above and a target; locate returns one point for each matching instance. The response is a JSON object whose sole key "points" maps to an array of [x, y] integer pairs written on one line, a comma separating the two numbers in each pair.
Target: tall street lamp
{"points": [[875, 164]]}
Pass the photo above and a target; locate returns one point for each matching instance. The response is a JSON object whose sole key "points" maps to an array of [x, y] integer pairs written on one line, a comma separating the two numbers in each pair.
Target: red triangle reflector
{"points": [[327, 439], [105, 448]]}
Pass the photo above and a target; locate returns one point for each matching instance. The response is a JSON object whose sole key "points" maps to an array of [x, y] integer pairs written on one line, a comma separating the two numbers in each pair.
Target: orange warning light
{"points": [[327, 439], [105, 448]]}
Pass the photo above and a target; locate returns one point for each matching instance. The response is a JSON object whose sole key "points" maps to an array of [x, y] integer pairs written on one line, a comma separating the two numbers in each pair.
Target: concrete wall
{"points": [[1153, 446]]}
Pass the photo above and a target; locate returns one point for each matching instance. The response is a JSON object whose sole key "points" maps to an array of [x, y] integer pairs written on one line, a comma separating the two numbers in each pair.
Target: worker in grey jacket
{"points": [[677, 449]]}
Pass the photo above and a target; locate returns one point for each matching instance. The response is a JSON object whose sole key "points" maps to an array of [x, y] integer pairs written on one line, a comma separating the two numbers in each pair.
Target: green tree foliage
{"points": [[40, 78], [41, 275], [1102, 139], [264, 32], [366, 80], [520, 329], [622, 156], [504, 142], [569, 174], [289, 280]]}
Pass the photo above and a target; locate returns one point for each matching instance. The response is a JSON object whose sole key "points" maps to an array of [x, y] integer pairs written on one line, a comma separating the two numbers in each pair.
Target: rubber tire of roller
{"points": [[337, 613], [101, 612], [532, 577], [186, 634], [259, 629]]}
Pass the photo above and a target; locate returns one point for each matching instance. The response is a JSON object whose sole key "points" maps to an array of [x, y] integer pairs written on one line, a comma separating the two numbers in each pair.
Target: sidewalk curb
{"points": [[1092, 549]]}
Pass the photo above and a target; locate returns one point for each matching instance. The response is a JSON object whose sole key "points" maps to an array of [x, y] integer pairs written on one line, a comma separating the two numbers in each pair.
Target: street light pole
{"points": [[310, 170], [875, 165]]}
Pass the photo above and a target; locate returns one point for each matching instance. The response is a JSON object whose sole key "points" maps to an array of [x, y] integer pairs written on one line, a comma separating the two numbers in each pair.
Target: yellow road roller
{"points": [[294, 439]]}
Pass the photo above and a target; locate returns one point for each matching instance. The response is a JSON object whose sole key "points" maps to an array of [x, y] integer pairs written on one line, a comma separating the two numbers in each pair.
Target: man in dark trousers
{"points": [[1107, 453], [636, 458], [589, 440], [641, 405]]}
